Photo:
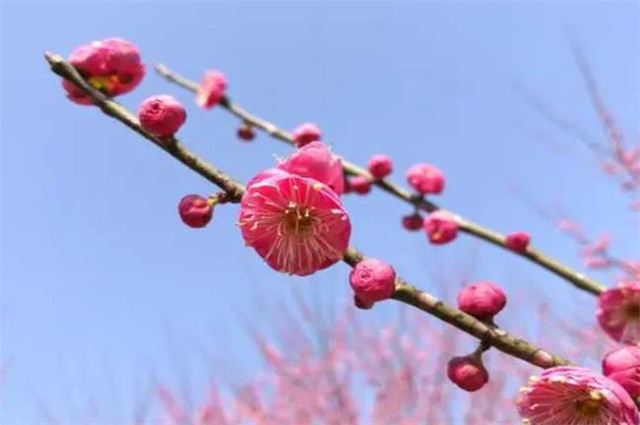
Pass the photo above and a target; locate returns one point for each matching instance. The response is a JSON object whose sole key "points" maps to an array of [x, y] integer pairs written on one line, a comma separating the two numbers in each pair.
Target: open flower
{"points": [[315, 160], [112, 66], [577, 396], [619, 312], [296, 224]]}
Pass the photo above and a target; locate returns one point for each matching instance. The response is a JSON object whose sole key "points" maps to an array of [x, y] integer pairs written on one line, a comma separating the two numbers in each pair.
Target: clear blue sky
{"points": [[99, 277]]}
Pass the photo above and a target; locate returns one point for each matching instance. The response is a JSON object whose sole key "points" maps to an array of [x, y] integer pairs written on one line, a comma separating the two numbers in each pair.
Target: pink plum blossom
{"points": [[623, 366], [577, 396], [619, 312], [112, 65], [296, 224]]}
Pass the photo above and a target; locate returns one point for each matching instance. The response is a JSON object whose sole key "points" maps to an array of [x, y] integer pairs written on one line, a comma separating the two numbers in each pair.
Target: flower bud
{"points": [[211, 89], [467, 372], [425, 179], [161, 115], [440, 227], [305, 134], [380, 166], [361, 304], [482, 300], [372, 280], [412, 222], [360, 185], [195, 211], [246, 132], [517, 241]]}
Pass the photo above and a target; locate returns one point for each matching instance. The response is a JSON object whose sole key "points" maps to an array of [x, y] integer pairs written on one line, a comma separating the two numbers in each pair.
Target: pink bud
{"points": [[211, 89], [372, 280], [412, 222], [315, 161], [482, 300], [195, 211], [623, 366], [161, 115], [305, 134], [246, 133], [440, 227], [425, 178], [380, 166], [361, 304], [111, 66], [360, 185], [517, 241], [467, 372]]}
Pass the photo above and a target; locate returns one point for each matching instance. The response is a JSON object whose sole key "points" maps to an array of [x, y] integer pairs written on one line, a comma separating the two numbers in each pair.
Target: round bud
{"points": [[425, 178], [467, 372], [161, 115], [380, 166], [372, 280], [360, 185], [517, 241], [211, 89], [412, 222], [305, 134], [195, 211], [482, 300], [246, 132], [623, 366], [440, 227]]}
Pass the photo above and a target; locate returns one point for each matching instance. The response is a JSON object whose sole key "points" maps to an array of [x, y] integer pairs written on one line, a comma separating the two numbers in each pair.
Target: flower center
{"points": [[298, 219], [589, 406]]}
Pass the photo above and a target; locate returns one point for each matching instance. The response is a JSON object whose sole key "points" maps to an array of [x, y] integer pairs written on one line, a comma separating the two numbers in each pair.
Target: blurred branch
{"points": [[577, 279], [405, 293]]}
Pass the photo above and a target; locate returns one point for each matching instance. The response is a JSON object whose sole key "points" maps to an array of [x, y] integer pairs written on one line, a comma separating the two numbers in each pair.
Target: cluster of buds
{"points": [[482, 300]]}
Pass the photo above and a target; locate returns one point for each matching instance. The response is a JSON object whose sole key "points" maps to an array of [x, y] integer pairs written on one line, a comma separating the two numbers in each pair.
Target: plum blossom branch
{"points": [[577, 279], [404, 292]]}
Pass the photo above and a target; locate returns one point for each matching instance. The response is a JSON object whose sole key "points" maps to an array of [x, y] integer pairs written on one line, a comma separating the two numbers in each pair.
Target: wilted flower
{"points": [[577, 396], [296, 224], [619, 312]]}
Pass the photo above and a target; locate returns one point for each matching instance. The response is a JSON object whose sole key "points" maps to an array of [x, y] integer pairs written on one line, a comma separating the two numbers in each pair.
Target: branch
{"points": [[577, 279], [405, 292]]}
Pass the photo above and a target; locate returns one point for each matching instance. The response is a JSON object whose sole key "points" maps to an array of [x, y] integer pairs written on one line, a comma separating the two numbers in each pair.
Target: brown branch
{"points": [[577, 279], [405, 293]]}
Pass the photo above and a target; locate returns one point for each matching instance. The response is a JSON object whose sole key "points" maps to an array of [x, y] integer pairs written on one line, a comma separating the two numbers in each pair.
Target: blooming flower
{"points": [[296, 224], [517, 241], [425, 178], [440, 227], [372, 280], [619, 312], [195, 211], [161, 115], [380, 166], [623, 366], [467, 372], [211, 89], [305, 134], [482, 300], [576, 396], [112, 66], [316, 161]]}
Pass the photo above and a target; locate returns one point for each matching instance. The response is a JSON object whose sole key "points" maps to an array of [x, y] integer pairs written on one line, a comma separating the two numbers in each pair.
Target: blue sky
{"points": [[100, 278]]}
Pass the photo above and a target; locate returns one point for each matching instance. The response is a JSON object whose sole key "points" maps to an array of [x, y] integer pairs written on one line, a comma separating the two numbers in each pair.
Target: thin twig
{"points": [[577, 279], [405, 292]]}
